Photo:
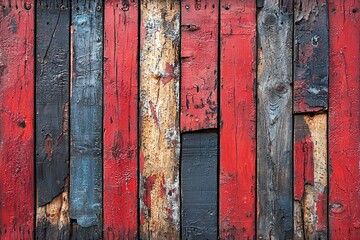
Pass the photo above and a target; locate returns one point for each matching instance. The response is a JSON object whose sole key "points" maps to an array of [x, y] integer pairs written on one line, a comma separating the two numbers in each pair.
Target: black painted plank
{"points": [[52, 103], [86, 118], [199, 179]]}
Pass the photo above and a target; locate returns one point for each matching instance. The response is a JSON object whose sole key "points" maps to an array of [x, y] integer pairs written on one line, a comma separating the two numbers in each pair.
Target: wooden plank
{"points": [[310, 176], [17, 119], [311, 50], [274, 121], [199, 185], [238, 119], [86, 119], [120, 120], [344, 120], [159, 120], [52, 117], [199, 64]]}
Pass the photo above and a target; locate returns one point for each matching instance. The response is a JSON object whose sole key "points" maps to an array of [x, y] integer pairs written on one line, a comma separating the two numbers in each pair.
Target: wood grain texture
{"points": [[199, 64], [86, 119], [199, 185], [310, 176], [159, 120], [274, 121], [17, 119], [238, 120], [52, 119], [344, 120], [121, 119], [311, 50]]}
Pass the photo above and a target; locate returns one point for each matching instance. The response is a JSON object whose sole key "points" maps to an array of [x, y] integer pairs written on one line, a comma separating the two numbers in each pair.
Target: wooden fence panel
{"points": [[238, 119], [17, 119], [86, 119], [120, 120]]}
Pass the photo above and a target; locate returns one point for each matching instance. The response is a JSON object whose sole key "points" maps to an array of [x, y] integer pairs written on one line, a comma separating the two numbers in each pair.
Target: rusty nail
{"points": [[27, 6]]}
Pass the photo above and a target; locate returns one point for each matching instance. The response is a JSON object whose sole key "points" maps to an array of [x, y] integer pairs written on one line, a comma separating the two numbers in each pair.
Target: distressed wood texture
{"points": [[120, 120], [274, 121], [344, 120], [52, 119], [311, 50], [310, 176], [199, 64], [17, 119], [86, 119], [159, 120], [238, 119], [199, 183]]}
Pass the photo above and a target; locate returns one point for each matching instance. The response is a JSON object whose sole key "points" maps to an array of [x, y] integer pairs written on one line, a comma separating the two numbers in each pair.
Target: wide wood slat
{"points": [[17, 195]]}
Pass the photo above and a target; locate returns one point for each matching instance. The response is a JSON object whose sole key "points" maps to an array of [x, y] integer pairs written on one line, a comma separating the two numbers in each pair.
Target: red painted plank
{"points": [[120, 119], [17, 119], [199, 70], [238, 120], [344, 119]]}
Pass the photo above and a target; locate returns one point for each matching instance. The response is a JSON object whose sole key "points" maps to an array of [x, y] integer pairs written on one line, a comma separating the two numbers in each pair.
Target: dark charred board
{"points": [[86, 117], [52, 118], [199, 185], [17, 193], [311, 50], [274, 121]]}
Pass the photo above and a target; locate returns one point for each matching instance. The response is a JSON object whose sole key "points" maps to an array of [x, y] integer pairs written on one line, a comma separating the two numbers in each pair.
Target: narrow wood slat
{"points": [[159, 120], [344, 119], [17, 119], [86, 119], [274, 121], [199, 185], [52, 119], [310, 176], [238, 119], [311, 51], [120, 119], [199, 64]]}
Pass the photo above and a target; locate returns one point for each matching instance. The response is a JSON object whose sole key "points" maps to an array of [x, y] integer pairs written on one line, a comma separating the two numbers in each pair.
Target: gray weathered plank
{"points": [[199, 180], [86, 118], [274, 121]]}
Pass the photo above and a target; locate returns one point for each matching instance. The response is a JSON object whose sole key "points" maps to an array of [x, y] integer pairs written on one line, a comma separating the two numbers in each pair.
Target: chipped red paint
{"points": [[199, 64], [17, 119], [344, 119], [238, 120], [120, 119]]}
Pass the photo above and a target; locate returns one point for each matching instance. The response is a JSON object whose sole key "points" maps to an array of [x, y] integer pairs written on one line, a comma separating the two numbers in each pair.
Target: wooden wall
{"points": [[179, 119]]}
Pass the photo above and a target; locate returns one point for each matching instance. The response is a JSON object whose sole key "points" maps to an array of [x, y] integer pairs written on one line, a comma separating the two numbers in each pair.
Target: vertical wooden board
{"points": [[311, 50], [344, 120], [274, 121], [199, 64], [238, 119], [310, 176], [199, 186], [120, 119], [17, 119], [86, 119], [52, 117], [159, 120]]}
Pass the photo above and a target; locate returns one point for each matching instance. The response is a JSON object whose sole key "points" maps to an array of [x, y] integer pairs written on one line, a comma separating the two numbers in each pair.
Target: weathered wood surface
{"points": [[310, 176], [86, 119], [52, 119], [199, 64], [199, 183], [238, 120], [344, 120], [120, 119], [311, 50], [17, 119], [159, 120], [274, 121]]}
